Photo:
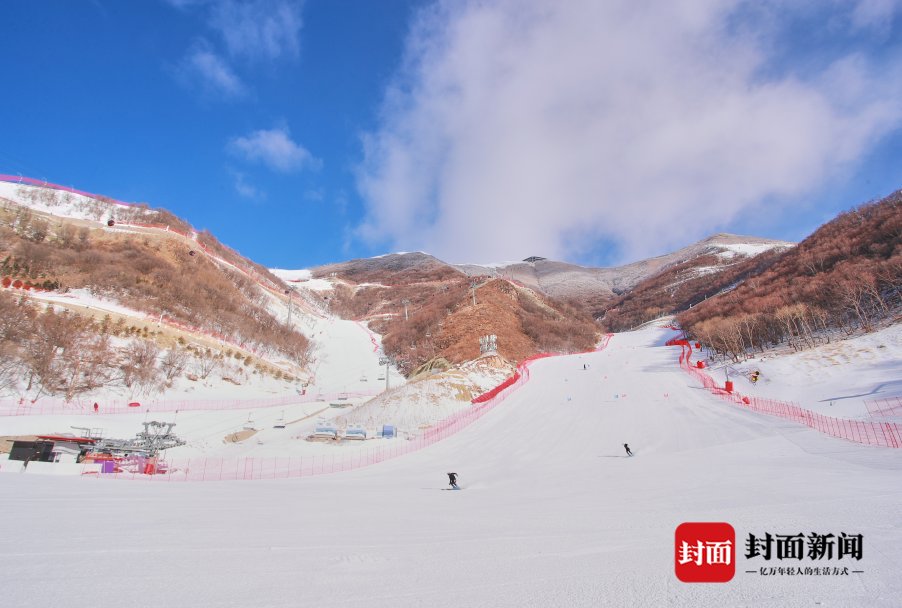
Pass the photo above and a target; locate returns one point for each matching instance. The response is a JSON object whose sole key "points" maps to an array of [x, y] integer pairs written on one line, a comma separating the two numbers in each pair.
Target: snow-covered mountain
{"points": [[599, 285]]}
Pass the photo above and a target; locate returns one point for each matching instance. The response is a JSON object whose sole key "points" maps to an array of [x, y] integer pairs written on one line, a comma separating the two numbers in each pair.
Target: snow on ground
{"points": [[346, 357], [319, 285], [385, 255], [83, 298], [304, 278], [60, 203], [425, 401], [552, 513], [699, 272], [747, 249], [834, 379], [496, 265], [205, 432], [292, 275], [345, 370]]}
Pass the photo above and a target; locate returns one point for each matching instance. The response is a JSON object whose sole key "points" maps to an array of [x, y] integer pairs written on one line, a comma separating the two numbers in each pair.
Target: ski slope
{"points": [[552, 512]]}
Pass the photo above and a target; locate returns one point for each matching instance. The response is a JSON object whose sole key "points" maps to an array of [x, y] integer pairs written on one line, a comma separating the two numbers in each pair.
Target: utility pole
{"points": [[289, 292]]}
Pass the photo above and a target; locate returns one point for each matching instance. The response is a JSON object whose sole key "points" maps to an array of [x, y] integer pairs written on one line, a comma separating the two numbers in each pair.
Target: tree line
{"points": [[846, 277]]}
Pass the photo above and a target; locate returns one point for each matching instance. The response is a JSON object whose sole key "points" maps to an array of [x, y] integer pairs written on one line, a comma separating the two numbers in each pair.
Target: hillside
{"points": [[422, 305], [425, 310], [596, 290], [714, 265], [212, 302], [156, 266], [845, 277]]}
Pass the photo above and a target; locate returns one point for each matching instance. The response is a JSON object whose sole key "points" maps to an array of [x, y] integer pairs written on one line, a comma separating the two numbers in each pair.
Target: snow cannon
{"points": [[728, 386]]}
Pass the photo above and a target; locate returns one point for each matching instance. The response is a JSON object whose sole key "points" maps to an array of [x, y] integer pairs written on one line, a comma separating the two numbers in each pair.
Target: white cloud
{"points": [[259, 29], [275, 149], [521, 127], [202, 69], [875, 13], [246, 190]]}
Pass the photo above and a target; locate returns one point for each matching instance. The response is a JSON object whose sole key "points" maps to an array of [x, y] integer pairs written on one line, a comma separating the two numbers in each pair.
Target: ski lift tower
{"points": [[386, 361], [488, 345], [405, 302], [157, 436], [289, 292]]}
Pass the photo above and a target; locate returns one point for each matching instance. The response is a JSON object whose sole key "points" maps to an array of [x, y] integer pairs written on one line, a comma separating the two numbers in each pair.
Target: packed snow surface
{"points": [[834, 379], [303, 274], [552, 513]]}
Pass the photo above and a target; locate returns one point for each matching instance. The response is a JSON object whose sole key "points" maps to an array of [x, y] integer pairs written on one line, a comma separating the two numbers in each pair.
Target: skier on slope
{"points": [[452, 479], [627, 448]]}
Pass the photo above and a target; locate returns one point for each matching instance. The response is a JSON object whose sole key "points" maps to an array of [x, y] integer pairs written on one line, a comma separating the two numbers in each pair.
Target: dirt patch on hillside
{"points": [[239, 436]]}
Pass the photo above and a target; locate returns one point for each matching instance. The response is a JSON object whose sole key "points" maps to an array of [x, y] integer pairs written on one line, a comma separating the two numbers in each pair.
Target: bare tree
{"points": [[10, 365], [139, 365], [96, 365], [853, 293], [51, 350], [205, 363], [173, 363]]}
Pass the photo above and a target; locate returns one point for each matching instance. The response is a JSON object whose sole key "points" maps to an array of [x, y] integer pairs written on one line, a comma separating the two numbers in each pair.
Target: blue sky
{"points": [[302, 133]]}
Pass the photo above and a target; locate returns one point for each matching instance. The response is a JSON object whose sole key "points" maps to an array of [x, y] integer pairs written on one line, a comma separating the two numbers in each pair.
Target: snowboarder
{"points": [[627, 448], [452, 479]]}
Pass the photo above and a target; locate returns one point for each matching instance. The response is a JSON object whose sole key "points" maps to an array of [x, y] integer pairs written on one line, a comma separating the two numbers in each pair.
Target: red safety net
{"points": [[883, 434]]}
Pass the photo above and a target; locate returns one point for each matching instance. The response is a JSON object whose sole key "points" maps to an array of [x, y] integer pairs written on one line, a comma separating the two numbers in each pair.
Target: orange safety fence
{"points": [[883, 434]]}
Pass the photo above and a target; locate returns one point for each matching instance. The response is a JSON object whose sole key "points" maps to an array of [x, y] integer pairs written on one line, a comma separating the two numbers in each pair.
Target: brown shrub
{"points": [[846, 276]]}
